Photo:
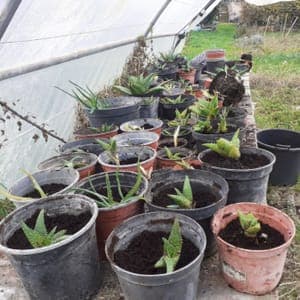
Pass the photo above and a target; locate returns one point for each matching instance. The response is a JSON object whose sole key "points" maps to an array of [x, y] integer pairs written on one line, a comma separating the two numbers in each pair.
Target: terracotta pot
{"points": [[57, 162], [198, 93], [156, 123], [253, 271], [190, 76], [207, 83], [80, 135], [163, 162], [109, 218], [106, 162]]}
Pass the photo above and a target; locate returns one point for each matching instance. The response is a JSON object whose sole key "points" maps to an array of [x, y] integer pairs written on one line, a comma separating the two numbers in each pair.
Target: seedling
{"points": [[181, 118], [76, 162], [171, 249], [207, 109], [103, 128], [175, 136], [130, 127], [39, 236], [168, 57], [186, 67], [183, 199], [225, 148], [250, 224], [140, 86], [170, 131], [177, 100], [172, 156], [222, 125], [111, 148], [86, 97], [109, 200]]}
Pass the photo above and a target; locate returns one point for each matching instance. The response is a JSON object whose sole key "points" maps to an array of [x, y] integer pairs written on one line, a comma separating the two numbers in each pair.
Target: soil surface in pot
{"points": [[202, 196], [49, 189], [70, 223], [170, 144], [266, 238], [246, 161], [147, 126], [146, 249]]}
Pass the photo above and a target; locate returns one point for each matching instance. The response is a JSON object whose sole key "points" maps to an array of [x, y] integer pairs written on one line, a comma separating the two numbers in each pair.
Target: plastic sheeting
{"points": [[43, 30], [265, 2]]}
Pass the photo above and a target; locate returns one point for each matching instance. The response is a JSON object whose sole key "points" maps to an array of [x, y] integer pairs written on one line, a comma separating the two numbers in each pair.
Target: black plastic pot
{"points": [[164, 179], [88, 145], [246, 185], [201, 138], [167, 111], [285, 145], [237, 116], [149, 110], [69, 269], [121, 109]]}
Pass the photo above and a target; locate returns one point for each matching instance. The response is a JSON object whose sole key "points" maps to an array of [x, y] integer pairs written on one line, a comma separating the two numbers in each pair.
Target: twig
{"points": [[267, 25], [296, 19], [284, 25], [24, 118]]}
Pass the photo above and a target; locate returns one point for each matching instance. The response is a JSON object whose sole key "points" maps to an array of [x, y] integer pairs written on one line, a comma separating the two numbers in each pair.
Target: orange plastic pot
{"points": [[253, 271], [190, 76], [156, 123], [80, 135], [207, 83]]}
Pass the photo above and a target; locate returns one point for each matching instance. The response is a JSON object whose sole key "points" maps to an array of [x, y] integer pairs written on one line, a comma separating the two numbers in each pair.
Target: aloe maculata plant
{"points": [[172, 156], [109, 200], [184, 198], [39, 235], [86, 97], [172, 248], [225, 148], [111, 148], [177, 100], [140, 86], [103, 128], [181, 118], [249, 223], [75, 162]]}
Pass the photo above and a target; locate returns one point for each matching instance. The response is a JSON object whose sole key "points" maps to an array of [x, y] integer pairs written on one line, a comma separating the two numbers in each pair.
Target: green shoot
{"points": [[39, 236], [184, 199], [222, 126], [111, 148], [171, 249], [175, 136], [74, 163], [35, 184], [172, 156], [225, 148], [181, 118], [249, 223], [177, 100]]}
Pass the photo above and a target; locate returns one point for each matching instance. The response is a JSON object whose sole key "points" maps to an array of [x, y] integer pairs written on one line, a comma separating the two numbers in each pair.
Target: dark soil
{"points": [[49, 189], [170, 144], [103, 191], [228, 87], [201, 194], [70, 223], [147, 126], [234, 235], [165, 156], [246, 161], [129, 161], [146, 249]]}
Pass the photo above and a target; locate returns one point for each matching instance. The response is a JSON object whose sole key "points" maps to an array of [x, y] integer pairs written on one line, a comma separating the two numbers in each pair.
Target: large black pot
{"points": [[285, 145]]}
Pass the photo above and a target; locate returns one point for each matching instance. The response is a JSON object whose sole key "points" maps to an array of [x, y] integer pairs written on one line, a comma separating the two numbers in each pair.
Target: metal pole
{"points": [[21, 70]]}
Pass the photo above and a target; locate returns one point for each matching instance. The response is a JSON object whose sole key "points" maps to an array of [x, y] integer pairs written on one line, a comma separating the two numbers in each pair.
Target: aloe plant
{"points": [[177, 100], [184, 198], [225, 148], [86, 97], [172, 248], [249, 223], [39, 236], [172, 156], [168, 57], [111, 148], [139, 86], [181, 118], [75, 162], [206, 108], [103, 128]]}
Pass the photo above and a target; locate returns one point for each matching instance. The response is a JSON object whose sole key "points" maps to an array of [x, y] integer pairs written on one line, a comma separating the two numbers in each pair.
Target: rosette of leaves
{"points": [[250, 224]]}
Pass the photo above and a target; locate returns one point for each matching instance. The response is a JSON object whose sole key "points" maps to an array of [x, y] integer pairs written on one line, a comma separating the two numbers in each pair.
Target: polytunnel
{"points": [[47, 43]]}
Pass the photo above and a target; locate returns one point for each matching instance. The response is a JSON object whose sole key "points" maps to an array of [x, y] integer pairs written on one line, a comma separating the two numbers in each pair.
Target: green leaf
{"points": [[187, 189], [35, 184], [249, 223]]}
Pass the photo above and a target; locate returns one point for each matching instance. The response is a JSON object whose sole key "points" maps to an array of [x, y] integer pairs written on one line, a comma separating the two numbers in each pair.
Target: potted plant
{"points": [[182, 118], [142, 86], [104, 110], [147, 253], [184, 132], [84, 163], [186, 72], [127, 158], [246, 170], [285, 145], [137, 138], [103, 131], [60, 256], [252, 242], [173, 89], [197, 194], [148, 124], [118, 196], [40, 185]]}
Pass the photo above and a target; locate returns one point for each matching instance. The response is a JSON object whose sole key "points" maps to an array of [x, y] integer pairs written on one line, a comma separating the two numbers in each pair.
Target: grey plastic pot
{"points": [[164, 179], [149, 110], [122, 109], [246, 185], [66, 176], [139, 138], [156, 123], [285, 145], [181, 284], [69, 269]]}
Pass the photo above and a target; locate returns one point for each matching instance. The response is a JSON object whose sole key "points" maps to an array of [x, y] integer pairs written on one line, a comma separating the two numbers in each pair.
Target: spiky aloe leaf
{"points": [[35, 184]]}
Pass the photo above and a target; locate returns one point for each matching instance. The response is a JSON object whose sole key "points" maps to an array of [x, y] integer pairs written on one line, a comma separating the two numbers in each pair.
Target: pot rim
{"points": [[181, 149], [266, 251], [154, 135], [267, 153], [179, 271], [278, 148], [94, 135], [71, 238], [138, 197], [153, 157], [160, 124]]}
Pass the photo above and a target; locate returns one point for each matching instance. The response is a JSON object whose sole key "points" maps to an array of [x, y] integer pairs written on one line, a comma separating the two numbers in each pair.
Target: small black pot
{"points": [[285, 145], [121, 109], [149, 110]]}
